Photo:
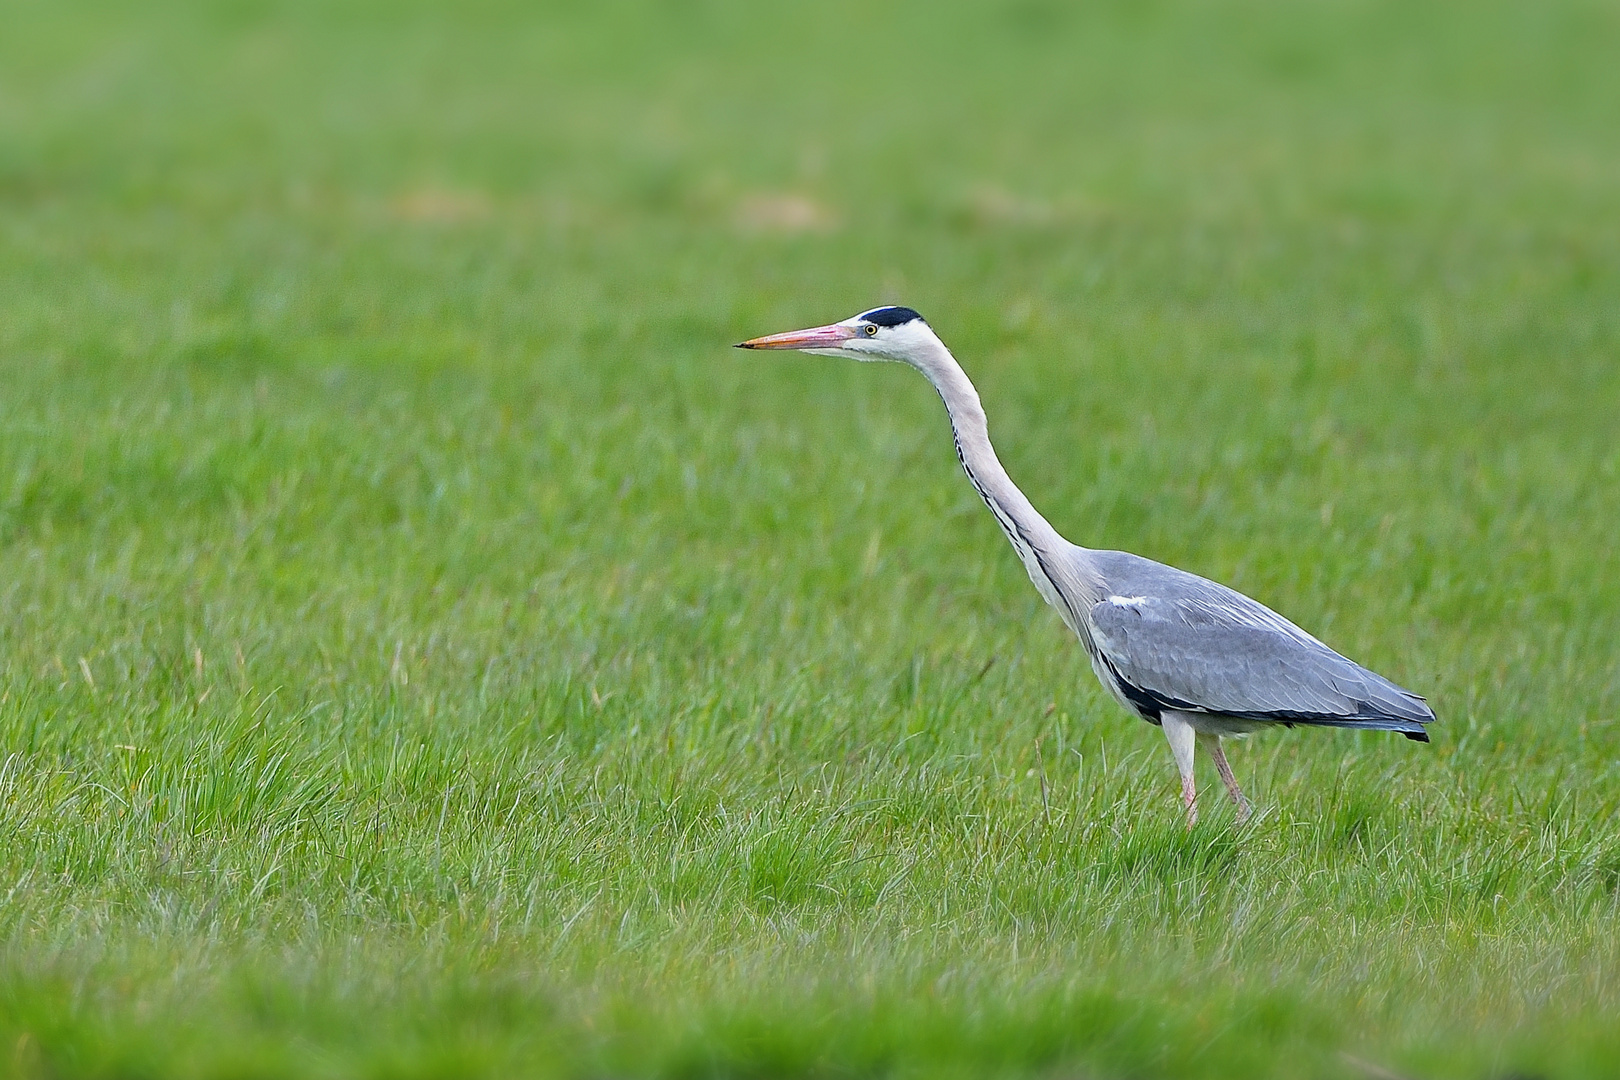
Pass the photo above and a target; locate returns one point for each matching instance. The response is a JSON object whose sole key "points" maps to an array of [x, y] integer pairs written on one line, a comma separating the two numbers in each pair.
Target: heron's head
{"points": [[884, 333]]}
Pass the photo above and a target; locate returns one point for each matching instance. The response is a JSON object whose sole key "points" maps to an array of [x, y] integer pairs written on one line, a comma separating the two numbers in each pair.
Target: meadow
{"points": [[428, 650]]}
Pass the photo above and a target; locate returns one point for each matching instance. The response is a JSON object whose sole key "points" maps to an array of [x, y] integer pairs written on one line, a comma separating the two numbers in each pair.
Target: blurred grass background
{"points": [[428, 650]]}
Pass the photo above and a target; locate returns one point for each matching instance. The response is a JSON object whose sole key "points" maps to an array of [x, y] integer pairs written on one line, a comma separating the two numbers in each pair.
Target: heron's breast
{"points": [[1105, 675]]}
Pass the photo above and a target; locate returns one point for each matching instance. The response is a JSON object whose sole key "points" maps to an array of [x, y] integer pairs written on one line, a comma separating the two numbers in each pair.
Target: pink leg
{"points": [[1182, 740], [1212, 743]]}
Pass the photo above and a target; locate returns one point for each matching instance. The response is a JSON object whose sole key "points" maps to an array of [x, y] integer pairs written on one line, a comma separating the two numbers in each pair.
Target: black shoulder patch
{"points": [[891, 316]]}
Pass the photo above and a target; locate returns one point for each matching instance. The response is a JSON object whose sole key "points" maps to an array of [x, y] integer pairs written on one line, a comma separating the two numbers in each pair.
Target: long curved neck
{"points": [[1018, 518]]}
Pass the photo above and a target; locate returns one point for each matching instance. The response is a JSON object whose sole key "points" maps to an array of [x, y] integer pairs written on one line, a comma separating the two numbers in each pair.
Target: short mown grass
{"points": [[428, 650]]}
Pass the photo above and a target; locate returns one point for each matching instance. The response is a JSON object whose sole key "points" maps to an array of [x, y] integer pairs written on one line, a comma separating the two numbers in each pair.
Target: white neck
{"points": [[1029, 532]]}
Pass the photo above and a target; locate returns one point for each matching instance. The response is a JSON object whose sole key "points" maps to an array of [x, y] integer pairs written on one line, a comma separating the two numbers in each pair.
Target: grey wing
{"points": [[1173, 640]]}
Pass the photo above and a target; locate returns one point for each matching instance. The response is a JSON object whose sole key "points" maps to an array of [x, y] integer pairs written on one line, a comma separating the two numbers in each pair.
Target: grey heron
{"points": [[1200, 660]]}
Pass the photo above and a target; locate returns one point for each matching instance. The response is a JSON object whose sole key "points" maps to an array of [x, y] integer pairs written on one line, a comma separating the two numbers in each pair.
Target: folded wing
{"points": [[1174, 640]]}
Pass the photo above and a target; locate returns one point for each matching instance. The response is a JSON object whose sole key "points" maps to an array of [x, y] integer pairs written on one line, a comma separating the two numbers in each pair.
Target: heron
{"points": [[1201, 661]]}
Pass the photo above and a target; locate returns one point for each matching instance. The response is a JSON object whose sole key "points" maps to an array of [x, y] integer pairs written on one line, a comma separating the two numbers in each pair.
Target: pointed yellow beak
{"points": [[817, 337]]}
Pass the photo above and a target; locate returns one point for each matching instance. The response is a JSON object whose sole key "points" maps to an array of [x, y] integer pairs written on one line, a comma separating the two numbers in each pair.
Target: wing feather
{"points": [[1178, 641]]}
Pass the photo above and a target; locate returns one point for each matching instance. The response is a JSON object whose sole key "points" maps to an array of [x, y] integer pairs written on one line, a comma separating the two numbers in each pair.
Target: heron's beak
{"points": [[818, 337]]}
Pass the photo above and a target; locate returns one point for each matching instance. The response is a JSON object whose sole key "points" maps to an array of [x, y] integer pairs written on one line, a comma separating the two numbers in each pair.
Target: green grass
{"points": [[428, 650]]}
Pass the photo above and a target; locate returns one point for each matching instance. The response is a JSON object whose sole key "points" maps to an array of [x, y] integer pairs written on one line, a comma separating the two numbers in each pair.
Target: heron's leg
{"points": [[1182, 741], [1212, 743]]}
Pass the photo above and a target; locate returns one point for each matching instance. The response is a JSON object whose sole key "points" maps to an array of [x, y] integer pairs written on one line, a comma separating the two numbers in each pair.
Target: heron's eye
{"points": [[871, 331]]}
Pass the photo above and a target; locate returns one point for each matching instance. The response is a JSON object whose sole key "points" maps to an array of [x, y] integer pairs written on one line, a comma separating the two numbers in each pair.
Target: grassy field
{"points": [[428, 650]]}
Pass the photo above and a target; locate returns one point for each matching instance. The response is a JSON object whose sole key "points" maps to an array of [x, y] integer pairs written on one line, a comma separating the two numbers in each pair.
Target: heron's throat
{"points": [[1030, 533]]}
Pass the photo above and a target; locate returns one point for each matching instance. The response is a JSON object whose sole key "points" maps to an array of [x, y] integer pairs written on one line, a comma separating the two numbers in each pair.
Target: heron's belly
{"points": [[1228, 727]]}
